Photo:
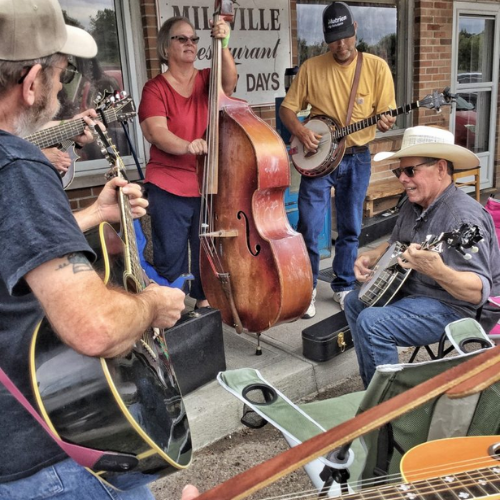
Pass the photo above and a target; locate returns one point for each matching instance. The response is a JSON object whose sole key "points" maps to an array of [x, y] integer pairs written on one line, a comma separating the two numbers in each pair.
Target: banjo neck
{"points": [[368, 122], [431, 101]]}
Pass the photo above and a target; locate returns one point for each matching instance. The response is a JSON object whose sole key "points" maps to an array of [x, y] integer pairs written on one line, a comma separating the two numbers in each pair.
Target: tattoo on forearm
{"points": [[79, 262]]}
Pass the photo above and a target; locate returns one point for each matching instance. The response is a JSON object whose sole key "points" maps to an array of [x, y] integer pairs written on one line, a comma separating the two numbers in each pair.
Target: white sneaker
{"points": [[311, 310], [340, 297]]}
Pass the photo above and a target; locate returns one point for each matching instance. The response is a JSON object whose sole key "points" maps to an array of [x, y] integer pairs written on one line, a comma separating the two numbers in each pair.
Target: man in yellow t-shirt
{"points": [[324, 82]]}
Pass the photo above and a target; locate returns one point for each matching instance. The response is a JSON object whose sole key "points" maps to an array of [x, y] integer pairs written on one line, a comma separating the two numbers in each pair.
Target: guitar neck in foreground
{"points": [[53, 136]]}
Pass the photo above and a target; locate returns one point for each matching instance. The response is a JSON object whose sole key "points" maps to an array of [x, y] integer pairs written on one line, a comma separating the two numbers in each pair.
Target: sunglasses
{"points": [[184, 39], [67, 74], [410, 171]]}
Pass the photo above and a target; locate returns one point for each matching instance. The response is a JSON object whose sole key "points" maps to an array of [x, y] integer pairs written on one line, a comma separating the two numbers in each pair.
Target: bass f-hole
{"points": [[243, 215]]}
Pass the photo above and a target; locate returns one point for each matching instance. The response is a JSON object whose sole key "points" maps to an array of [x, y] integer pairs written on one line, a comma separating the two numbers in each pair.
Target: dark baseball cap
{"points": [[337, 22]]}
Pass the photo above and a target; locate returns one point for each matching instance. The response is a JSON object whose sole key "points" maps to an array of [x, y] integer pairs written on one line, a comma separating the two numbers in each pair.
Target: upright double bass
{"points": [[254, 267]]}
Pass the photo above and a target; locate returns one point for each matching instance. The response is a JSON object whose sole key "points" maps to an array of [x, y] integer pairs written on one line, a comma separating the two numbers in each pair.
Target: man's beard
{"points": [[38, 114]]}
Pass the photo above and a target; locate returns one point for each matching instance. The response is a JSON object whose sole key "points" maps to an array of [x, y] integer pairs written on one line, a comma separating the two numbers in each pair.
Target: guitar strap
{"points": [[354, 89], [96, 460]]}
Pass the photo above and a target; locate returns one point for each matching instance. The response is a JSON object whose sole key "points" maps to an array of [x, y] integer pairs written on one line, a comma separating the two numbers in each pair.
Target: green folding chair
{"points": [[374, 458]]}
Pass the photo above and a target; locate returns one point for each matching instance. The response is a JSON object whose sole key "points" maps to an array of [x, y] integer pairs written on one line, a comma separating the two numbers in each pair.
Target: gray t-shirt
{"points": [[448, 212], [36, 226]]}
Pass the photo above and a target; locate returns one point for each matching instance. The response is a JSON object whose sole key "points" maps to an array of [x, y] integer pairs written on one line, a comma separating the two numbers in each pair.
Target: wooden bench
{"points": [[377, 190]]}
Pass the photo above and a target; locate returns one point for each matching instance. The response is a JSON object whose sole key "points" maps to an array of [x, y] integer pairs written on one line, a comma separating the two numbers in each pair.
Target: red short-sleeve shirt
{"points": [[186, 118]]}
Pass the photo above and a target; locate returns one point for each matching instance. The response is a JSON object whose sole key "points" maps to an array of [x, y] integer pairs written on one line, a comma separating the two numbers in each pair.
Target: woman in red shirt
{"points": [[173, 116]]}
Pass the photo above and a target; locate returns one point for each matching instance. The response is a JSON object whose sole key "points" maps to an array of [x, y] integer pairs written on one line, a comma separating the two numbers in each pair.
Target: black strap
{"points": [[386, 444], [132, 150]]}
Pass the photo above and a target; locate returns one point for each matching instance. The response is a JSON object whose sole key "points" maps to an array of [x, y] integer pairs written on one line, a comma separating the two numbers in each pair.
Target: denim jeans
{"points": [[350, 180], [378, 331], [175, 222], [67, 480]]}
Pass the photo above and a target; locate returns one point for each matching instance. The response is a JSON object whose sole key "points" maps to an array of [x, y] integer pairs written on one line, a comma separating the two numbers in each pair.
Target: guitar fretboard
{"points": [[64, 131], [479, 483], [129, 238]]}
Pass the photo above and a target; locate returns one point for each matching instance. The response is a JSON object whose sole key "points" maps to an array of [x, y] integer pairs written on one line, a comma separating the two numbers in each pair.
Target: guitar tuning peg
{"points": [[474, 249], [467, 256]]}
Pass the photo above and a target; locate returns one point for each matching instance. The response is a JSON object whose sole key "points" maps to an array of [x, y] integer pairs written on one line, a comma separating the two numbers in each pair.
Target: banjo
{"points": [[331, 147], [388, 275]]}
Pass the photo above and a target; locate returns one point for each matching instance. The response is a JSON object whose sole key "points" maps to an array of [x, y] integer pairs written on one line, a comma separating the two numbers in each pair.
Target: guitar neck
{"points": [[132, 261], [56, 135], [132, 265], [368, 122]]}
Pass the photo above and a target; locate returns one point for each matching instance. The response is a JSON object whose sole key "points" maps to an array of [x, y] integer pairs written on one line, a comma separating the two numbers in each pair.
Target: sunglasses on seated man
{"points": [[410, 171]]}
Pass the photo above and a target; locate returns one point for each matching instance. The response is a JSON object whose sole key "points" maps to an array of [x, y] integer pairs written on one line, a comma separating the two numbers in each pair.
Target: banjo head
{"points": [[322, 161]]}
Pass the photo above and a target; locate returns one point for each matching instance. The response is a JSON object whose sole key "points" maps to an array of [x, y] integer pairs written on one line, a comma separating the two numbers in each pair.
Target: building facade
{"points": [[429, 45]]}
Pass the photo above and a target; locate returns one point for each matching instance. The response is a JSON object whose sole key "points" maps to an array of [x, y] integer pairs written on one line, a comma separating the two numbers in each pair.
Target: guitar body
{"points": [[130, 404], [329, 153], [463, 467]]}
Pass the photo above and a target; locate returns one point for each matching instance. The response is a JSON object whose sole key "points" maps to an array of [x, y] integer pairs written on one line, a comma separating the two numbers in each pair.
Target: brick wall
{"points": [[82, 198]]}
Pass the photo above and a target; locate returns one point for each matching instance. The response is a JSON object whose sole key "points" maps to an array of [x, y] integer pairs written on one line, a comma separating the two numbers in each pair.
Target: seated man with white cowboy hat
{"points": [[442, 286]]}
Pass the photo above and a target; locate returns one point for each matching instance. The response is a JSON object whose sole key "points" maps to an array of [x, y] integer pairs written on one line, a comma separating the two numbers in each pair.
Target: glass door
{"points": [[475, 73]]}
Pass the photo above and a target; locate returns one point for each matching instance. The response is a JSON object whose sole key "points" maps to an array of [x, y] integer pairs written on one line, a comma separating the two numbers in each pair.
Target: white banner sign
{"points": [[260, 43]]}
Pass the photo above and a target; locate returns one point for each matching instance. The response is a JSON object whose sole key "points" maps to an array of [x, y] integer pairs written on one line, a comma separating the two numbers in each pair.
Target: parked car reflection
{"points": [[465, 120]]}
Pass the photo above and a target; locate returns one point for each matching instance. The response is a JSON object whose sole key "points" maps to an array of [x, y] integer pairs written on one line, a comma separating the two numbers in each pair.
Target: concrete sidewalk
{"points": [[214, 413]]}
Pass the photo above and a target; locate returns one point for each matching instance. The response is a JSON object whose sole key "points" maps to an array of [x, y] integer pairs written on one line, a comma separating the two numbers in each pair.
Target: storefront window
{"points": [[100, 76]]}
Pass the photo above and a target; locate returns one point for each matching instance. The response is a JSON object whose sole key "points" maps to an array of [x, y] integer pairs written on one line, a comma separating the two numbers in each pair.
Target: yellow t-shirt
{"points": [[326, 86]]}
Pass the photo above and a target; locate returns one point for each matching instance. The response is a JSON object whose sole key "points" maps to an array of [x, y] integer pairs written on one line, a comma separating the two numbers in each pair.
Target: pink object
{"points": [[493, 207]]}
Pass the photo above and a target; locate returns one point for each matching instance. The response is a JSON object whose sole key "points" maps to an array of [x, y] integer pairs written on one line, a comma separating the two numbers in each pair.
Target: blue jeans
{"points": [[350, 179], [378, 331], [175, 222], [67, 480]]}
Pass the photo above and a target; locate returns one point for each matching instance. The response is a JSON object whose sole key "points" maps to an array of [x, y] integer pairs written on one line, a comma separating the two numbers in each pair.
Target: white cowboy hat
{"points": [[432, 142]]}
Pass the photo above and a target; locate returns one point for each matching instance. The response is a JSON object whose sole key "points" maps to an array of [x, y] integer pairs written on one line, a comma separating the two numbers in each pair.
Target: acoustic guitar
{"points": [[110, 108], [388, 276], [129, 404], [331, 147]]}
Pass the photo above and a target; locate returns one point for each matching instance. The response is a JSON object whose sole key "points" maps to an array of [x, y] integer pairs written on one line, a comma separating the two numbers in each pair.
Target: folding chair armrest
{"points": [[466, 331]]}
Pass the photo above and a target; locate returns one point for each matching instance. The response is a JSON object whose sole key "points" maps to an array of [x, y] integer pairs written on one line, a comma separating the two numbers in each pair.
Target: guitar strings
{"points": [[433, 481]]}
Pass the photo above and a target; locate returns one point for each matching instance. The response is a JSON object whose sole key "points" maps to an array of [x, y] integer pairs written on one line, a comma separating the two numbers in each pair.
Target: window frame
{"points": [[133, 63]]}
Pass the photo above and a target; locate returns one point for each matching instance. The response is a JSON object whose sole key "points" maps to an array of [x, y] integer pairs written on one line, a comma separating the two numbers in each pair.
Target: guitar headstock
{"points": [[122, 105], [465, 237], [437, 99]]}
